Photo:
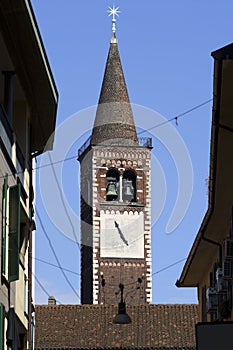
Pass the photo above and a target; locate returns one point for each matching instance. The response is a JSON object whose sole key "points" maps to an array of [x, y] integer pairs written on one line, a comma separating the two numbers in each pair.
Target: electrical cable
{"points": [[55, 255], [177, 116], [155, 273], [169, 266], [72, 157], [61, 268], [42, 287], [111, 285], [58, 267], [63, 203], [141, 132]]}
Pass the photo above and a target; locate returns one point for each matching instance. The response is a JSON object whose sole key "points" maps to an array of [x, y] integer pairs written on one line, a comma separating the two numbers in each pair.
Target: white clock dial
{"points": [[122, 235]]}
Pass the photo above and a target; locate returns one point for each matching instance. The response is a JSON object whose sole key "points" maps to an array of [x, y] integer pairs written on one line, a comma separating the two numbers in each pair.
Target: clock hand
{"points": [[120, 233]]}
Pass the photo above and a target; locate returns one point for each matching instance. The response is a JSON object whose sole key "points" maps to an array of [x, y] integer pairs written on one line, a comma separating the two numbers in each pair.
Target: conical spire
{"points": [[114, 123]]}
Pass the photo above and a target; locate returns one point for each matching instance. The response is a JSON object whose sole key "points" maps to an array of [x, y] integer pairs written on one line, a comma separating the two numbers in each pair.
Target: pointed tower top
{"points": [[114, 122], [114, 12]]}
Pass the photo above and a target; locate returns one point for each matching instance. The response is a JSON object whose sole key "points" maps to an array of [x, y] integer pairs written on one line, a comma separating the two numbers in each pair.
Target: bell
{"points": [[111, 191], [128, 189]]}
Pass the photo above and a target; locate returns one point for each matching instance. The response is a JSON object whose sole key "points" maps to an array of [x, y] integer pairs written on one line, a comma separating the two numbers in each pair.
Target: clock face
{"points": [[122, 235]]}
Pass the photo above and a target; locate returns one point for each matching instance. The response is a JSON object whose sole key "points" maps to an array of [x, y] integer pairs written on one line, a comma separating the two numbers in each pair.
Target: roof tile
{"points": [[91, 327]]}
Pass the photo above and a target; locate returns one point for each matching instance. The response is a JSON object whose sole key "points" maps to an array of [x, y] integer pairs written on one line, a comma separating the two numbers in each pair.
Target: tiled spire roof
{"points": [[114, 123]]}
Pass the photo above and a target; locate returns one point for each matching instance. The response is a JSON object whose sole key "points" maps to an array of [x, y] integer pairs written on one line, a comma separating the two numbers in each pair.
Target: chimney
{"points": [[52, 301]]}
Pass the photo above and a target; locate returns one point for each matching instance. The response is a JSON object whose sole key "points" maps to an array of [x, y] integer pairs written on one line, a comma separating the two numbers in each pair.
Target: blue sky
{"points": [[165, 50]]}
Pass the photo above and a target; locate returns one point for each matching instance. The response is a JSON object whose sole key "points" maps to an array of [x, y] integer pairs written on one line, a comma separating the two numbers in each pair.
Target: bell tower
{"points": [[115, 197]]}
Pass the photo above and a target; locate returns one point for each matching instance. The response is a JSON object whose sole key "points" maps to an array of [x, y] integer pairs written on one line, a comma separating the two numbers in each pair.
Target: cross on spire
{"points": [[114, 12]]}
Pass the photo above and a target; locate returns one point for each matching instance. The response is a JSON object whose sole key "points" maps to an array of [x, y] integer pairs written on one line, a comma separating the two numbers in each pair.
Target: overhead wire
{"points": [[36, 278], [55, 255], [63, 203], [112, 285], [42, 287], [72, 226], [168, 266], [175, 118], [73, 230], [54, 265]]}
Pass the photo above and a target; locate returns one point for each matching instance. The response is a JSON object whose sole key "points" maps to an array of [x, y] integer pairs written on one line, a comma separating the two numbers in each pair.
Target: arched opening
{"points": [[129, 186], [112, 186]]}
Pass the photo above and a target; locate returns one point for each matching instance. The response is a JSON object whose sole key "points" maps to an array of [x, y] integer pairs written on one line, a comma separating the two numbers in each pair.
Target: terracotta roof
{"points": [[91, 327], [114, 123]]}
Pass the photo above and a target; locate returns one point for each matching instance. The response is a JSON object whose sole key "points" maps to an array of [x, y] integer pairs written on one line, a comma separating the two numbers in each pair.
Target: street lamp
{"points": [[122, 317]]}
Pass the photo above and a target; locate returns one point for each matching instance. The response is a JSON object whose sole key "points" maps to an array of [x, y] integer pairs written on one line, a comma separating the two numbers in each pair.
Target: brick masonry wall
{"points": [[94, 166], [126, 271]]}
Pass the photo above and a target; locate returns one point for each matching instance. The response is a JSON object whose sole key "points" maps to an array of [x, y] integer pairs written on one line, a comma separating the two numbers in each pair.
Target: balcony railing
{"points": [[143, 142]]}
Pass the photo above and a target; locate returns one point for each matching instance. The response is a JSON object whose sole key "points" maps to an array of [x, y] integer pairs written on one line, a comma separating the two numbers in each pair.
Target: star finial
{"points": [[113, 11]]}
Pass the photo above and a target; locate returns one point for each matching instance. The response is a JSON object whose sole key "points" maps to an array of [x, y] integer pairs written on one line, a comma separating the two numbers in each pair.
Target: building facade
{"points": [[28, 102], [209, 266], [115, 198]]}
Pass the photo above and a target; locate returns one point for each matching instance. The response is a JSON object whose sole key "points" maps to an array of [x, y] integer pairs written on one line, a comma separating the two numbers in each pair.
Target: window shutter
{"points": [[2, 316], [14, 233], [4, 192]]}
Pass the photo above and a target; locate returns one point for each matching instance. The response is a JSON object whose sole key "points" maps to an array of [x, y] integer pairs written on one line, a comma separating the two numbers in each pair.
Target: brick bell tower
{"points": [[115, 198]]}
